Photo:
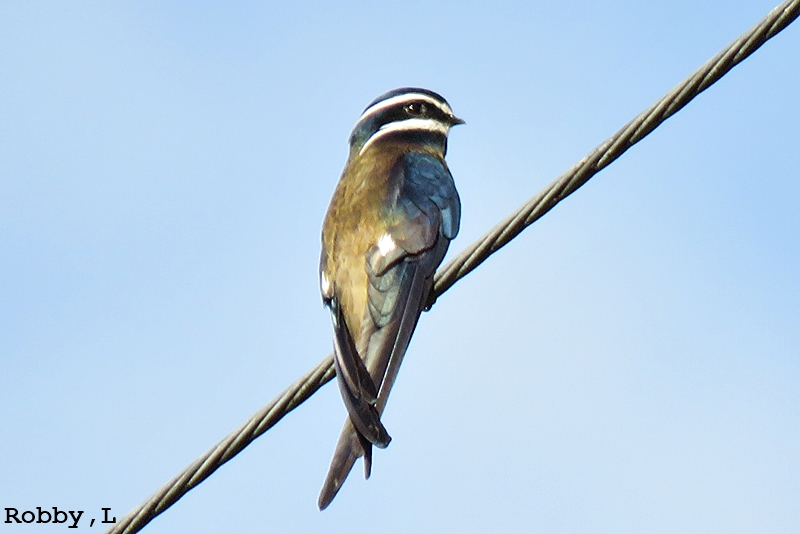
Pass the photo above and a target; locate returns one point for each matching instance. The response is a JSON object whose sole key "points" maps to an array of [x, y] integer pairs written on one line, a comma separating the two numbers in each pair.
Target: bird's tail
{"points": [[351, 447]]}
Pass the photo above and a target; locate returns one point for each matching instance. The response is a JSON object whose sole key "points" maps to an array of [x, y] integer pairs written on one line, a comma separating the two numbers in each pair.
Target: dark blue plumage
{"points": [[387, 229]]}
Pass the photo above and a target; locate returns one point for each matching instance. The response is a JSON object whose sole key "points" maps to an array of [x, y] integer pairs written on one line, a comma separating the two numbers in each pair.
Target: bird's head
{"points": [[407, 114]]}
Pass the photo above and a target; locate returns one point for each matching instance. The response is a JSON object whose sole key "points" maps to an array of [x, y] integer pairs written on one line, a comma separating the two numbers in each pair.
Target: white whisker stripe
{"points": [[406, 97], [428, 125]]}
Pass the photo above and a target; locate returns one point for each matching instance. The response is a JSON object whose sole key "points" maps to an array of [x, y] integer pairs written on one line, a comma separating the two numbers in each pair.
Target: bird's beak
{"points": [[455, 121]]}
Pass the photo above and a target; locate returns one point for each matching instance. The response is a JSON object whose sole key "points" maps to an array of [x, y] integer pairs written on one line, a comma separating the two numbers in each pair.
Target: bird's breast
{"points": [[356, 220]]}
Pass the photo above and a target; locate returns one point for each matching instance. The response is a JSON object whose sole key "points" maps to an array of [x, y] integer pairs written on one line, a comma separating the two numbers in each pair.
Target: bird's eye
{"points": [[416, 109]]}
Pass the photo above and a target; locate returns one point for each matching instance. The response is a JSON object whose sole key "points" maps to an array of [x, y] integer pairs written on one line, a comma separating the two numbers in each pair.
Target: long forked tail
{"points": [[351, 447]]}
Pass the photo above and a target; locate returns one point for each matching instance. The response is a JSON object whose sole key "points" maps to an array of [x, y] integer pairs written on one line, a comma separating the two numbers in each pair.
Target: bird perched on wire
{"points": [[388, 226]]}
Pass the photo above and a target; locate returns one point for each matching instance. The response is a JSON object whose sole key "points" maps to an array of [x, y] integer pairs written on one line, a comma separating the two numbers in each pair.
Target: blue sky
{"points": [[629, 364]]}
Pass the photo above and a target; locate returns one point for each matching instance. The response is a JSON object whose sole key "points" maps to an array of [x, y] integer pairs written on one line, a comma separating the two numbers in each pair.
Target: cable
{"points": [[615, 146], [233, 444], [474, 255]]}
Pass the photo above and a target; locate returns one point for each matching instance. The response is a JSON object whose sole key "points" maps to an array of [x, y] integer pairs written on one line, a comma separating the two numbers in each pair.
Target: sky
{"points": [[630, 363]]}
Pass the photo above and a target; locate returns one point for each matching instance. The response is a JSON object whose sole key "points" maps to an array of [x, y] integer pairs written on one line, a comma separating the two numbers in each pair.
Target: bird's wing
{"points": [[356, 385], [424, 211], [426, 214]]}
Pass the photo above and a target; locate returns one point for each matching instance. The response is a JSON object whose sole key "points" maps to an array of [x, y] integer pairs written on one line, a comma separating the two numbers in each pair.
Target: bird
{"points": [[390, 221]]}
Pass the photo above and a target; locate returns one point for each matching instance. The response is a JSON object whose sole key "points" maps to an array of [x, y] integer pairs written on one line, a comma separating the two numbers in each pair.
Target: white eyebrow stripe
{"points": [[429, 125], [407, 97]]}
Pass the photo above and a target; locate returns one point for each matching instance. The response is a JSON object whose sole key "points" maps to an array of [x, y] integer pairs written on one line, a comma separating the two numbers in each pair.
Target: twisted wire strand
{"points": [[474, 255], [233, 444], [615, 146]]}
